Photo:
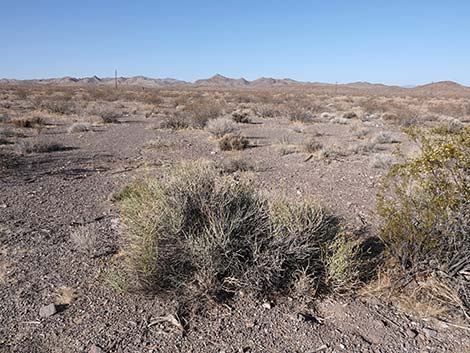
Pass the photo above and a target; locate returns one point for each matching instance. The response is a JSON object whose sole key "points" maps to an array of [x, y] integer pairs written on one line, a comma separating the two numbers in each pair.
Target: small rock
{"points": [[95, 349], [429, 332], [411, 333], [307, 318], [48, 310], [267, 305], [342, 346]]}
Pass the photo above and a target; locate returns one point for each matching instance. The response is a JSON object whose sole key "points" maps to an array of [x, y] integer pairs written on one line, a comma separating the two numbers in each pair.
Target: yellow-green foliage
{"points": [[423, 198]]}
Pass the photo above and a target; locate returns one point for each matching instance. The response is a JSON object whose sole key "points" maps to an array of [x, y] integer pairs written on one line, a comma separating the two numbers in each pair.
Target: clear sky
{"points": [[394, 41]]}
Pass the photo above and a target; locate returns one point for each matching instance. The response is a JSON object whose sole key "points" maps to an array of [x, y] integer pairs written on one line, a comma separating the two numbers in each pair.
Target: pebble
{"points": [[48, 310], [267, 305], [429, 332], [95, 349]]}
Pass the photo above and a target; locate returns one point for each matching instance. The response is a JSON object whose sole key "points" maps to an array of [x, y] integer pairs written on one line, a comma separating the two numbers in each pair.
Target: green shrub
{"points": [[203, 234], [425, 208]]}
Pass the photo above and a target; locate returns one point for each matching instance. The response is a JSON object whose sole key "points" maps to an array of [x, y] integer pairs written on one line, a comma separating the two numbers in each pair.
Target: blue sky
{"points": [[394, 42]]}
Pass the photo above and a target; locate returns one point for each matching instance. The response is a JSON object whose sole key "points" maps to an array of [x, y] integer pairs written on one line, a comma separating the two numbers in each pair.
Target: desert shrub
{"points": [[266, 110], [340, 120], [199, 233], [202, 111], [384, 137], [424, 206], [233, 165], [382, 161], [241, 116], [58, 106], [230, 142], [26, 146], [79, 127], [298, 113], [110, 116], [221, 126], [177, 121], [343, 263], [28, 122], [349, 115], [364, 147], [311, 145]]}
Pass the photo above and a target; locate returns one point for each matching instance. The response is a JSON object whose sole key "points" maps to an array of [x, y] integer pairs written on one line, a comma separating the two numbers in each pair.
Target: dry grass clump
{"points": [[177, 121], [201, 111], [58, 106], [299, 114], [79, 127], [231, 142], [220, 127], [85, 239], [26, 146], [311, 145], [350, 115], [28, 122], [110, 116], [425, 212], [382, 161], [241, 116], [385, 137], [199, 234]]}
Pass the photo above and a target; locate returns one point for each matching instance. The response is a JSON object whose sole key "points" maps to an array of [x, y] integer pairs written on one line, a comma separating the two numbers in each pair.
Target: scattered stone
{"points": [[411, 333], [429, 332], [95, 349], [321, 348], [267, 305], [307, 318], [48, 310]]}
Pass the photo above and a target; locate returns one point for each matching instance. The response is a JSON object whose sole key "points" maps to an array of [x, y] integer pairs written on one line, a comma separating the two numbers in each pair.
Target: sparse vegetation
{"points": [[203, 234], [28, 122], [425, 211], [230, 142], [27, 146], [220, 127], [79, 127]]}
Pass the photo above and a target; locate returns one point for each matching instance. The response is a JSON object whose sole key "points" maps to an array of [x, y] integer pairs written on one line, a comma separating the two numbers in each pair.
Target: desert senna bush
{"points": [[424, 205], [204, 234]]}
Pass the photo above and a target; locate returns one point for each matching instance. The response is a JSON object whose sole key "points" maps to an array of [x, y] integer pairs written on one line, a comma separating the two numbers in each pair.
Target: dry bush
{"points": [[349, 115], [241, 116], [58, 106], [85, 239], [364, 147], [199, 234], [234, 165], [79, 127], [382, 161], [298, 113], [425, 210], [340, 120], [110, 116], [26, 146], [230, 142], [221, 126], [28, 122], [201, 111], [266, 110], [178, 121], [311, 145], [385, 137]]}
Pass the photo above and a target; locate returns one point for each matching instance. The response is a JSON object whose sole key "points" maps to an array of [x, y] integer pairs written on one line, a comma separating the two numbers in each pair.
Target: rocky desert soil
{"points": [[56, 297]]}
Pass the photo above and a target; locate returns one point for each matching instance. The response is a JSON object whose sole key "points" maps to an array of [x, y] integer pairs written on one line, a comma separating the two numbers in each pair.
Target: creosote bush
{"points": [[230, 142], [202, 234], [221, 126], [425, 208]]}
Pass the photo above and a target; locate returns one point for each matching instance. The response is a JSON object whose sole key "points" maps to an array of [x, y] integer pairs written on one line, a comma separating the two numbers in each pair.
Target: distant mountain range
{"points": [[219, 81]]}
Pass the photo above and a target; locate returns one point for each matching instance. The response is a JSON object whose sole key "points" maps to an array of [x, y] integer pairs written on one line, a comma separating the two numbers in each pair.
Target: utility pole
{"points": [[115, 79]]}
